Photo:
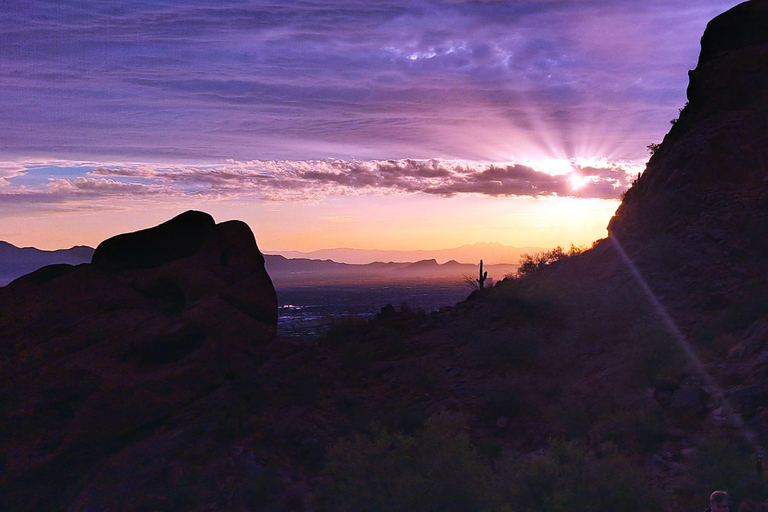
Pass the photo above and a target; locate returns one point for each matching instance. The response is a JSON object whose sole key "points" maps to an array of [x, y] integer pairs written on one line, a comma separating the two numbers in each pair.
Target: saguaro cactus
{"points": [[483, 276]]}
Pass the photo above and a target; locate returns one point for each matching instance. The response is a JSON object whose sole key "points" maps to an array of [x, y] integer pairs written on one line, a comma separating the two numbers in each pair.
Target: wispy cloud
{"points": [[87, 187], [209, 80], [10, 170], [308, 180]]}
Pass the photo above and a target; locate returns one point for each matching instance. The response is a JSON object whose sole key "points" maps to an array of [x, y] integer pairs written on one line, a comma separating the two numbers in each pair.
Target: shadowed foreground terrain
{"points": [[631, 376]]}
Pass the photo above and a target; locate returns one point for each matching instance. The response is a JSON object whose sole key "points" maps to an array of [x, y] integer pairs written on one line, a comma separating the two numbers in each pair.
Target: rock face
{"points": [[711, 170], [108, 365], [698, 216]]}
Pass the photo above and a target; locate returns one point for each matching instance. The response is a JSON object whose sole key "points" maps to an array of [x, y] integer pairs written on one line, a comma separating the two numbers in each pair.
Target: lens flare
{"points": [[663, 314]]}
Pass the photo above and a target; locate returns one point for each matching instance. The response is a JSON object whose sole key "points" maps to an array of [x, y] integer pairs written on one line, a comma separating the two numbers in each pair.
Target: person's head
{"points": [[718, 501]]}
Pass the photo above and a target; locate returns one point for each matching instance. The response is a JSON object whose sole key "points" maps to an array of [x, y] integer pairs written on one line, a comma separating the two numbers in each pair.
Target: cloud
{"points": [[10, 170], [337, 78], [101, 187], [313, 179]]}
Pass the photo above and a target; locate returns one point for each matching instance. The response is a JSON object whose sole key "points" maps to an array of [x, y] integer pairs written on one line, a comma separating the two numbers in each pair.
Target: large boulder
{"points": [[105, 363]]}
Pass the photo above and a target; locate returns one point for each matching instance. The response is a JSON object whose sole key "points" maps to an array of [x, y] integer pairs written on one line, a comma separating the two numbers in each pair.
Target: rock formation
{"points": [[697, 218], [710, 173], [138, 353]]}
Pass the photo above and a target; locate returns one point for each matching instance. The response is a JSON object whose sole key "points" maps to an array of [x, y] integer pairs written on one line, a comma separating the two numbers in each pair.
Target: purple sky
{"points": [[106, 102]]}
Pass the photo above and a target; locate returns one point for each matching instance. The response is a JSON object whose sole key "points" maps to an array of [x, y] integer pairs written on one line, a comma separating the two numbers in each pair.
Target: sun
{"points": [[551, 166], [577, 181]]}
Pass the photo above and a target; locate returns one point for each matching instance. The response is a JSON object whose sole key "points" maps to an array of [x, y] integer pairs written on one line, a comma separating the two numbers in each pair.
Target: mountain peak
{"points": [[738, 28]]}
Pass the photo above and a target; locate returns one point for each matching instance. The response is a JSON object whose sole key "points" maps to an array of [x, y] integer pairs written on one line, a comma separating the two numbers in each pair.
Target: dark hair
{"points": [[719, 497]]}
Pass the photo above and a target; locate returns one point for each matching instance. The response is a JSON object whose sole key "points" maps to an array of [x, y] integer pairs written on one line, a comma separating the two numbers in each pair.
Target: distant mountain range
{"points": [[18, 261], [287, 271], [490, 253], [291, 272]]}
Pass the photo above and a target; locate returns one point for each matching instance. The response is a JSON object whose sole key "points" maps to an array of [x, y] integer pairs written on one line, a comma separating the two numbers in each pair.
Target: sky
{"points": [[420, 124]]}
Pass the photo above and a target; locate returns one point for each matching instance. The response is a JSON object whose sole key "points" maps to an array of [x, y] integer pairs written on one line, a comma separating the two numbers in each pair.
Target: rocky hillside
{"points": [[644, 358], [701, 206]]}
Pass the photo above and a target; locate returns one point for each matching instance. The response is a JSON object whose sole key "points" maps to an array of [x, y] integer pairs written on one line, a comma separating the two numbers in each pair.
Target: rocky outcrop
{"points": [[109, 365], [709, 176], [696, 222]]}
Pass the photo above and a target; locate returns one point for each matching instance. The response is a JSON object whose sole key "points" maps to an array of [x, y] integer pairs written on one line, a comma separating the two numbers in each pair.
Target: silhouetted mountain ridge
{"points": [[17, 261], [310, 272], [492, 252]]}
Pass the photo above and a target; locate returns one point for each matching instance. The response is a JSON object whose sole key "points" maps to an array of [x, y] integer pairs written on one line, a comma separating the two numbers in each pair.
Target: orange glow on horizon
{"points": [[392, 222]]}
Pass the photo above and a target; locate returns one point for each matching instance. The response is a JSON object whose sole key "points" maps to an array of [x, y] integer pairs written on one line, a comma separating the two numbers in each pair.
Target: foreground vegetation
{"points": [[574, 396]]}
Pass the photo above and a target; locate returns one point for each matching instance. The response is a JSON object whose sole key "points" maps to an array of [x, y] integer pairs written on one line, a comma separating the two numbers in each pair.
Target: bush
{"points": [[506, 351], [568, 480], [571, 418], [727, 462], [654, 351], [635, 429], [435, 469], [532, 263]]}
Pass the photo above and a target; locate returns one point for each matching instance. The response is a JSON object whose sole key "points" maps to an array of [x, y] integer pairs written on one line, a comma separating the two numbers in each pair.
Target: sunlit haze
{"points": [[424, 124]]}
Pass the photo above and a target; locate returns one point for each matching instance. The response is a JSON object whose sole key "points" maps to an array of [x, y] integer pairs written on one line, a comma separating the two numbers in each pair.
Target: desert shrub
{"points": [[358, 343], [349, 405], [402, 417], [384, 344], [509, 403], [514, 308], [356, 354], [434, 469], [532, 263], [726, 461], [470, 282], [395, 415], [567, 479], [741, 313], [758, 232], [507, 350], [570, 419], [631, 429], [653, 350], [489, 448], [344, 330], [302, 385], [260, 487]]}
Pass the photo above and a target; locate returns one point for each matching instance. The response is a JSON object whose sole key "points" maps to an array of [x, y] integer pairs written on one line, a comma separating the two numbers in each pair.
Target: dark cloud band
{"points": [[286, 179]]}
